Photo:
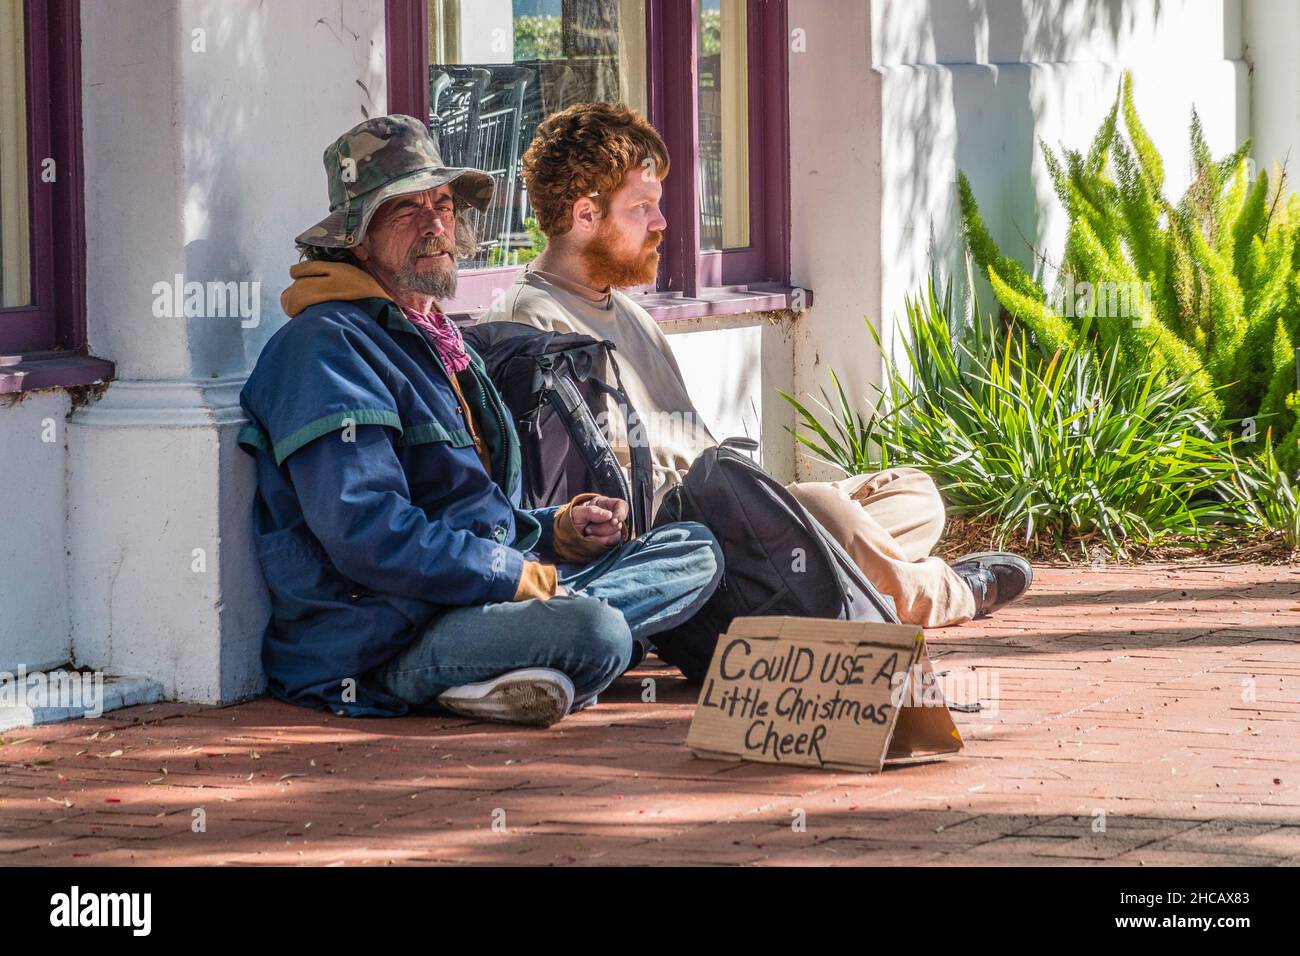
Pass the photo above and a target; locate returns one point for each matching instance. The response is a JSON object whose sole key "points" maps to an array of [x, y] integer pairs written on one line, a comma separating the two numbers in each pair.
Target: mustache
{"points": [[432, 247], [653, 239]]}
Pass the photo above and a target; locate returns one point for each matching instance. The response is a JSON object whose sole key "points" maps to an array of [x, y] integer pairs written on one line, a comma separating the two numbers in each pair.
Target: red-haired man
{"points": [[594, 175]]}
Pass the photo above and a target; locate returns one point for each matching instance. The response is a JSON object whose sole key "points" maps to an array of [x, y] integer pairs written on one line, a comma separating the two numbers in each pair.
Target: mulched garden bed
{"points": [[964, 535]]}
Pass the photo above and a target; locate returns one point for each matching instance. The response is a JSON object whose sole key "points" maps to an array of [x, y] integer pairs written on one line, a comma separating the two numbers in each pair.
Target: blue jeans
{"points": [[642, 587]]}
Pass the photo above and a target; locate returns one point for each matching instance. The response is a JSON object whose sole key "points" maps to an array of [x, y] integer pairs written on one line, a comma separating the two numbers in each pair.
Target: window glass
{"points": [[497, 68], [723, 98], [15, 221]]}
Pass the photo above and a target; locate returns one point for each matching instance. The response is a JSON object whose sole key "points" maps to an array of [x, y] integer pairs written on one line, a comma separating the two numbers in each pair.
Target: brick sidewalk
{"points": [[1123, 692]]}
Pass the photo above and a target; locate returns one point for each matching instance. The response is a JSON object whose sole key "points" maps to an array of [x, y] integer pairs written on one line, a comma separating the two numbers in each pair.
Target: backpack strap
{"points": [[563, 396], [642, 498]]}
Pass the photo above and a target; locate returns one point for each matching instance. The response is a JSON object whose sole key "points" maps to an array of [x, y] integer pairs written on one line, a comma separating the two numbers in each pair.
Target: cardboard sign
{"points": [[844, 695]]}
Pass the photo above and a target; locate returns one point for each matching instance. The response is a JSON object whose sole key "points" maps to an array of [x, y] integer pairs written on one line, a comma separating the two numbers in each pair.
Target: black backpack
{"points": [[553, 384], [777, 558]]}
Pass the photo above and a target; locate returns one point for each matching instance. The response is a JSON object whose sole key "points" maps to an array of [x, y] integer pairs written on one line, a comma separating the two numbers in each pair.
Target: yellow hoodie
{"points": [[317, 282]]}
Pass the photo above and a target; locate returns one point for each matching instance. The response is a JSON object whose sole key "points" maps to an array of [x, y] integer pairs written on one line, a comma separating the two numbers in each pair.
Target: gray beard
{"points": [[440, 285]]}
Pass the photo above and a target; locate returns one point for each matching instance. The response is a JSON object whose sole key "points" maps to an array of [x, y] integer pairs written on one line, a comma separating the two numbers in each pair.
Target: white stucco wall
{"points": [[233, 170], [733, 367], [1270, 30], [835, 197], [937, 87], [33, 583], [203, 158]]}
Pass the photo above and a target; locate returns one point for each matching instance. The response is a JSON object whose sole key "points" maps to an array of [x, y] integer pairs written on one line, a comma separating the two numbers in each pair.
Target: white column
{"points": [[1271, 31], [835, 191], [204, 124]]}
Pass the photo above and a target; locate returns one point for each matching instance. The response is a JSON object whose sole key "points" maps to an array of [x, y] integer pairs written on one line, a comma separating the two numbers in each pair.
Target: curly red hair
{"points": [[586, 148]]}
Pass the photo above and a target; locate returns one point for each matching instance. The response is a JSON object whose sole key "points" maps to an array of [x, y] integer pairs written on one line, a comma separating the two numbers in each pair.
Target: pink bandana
{"points": [[447, 340]]}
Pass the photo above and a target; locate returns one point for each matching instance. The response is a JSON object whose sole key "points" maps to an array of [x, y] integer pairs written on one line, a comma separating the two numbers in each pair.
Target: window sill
{"points": [[25, 373], [722, 301]]}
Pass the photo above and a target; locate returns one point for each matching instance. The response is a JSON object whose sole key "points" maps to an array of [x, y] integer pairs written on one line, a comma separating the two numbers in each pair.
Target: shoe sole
{"points": [[538, 696]]}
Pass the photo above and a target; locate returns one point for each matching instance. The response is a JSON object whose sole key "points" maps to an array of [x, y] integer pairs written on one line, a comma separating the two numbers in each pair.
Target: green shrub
{"points": [[1061, 448], [538, 38], [1213, 289], [501, 256], [710, 32], [1264, 496]]}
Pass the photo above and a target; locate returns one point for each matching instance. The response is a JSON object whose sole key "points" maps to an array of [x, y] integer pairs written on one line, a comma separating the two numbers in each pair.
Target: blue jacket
{"points": [[374, 510]]}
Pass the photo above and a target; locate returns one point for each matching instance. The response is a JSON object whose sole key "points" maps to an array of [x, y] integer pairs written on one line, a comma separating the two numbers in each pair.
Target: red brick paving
{"points": [[1143, 716]]}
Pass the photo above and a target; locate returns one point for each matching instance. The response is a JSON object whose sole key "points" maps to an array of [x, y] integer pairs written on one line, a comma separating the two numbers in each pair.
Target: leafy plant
{"points": [[502, 256], [538, 38], [1265, 496], [1065, 447], [1206, 290], [710, 32]]}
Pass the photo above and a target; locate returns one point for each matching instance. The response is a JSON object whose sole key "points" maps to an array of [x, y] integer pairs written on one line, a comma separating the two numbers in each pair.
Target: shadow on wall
{"points": [[1008, 31], [222, 157], [253, 146], [264, 88], [973, 88]]}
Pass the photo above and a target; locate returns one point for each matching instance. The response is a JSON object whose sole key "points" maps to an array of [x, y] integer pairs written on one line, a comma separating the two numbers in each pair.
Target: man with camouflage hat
{"points": [[403, 573]]}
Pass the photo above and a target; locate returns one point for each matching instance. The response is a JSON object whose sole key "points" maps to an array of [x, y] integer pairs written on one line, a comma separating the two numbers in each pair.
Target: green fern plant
{"points": [[1213, 280]]}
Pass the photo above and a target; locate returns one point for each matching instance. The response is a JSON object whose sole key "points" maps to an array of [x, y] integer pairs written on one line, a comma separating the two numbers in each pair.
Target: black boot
{"points": [[994, 577]]}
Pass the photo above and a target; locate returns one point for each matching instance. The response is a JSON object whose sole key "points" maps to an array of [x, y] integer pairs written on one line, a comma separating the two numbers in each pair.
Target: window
{"points": [[735, 209], [710, 75], [42, 314], [723, 124], [498, 68], [15, 218]]}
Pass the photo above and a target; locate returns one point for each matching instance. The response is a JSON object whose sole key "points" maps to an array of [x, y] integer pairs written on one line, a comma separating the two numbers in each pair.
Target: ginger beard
{"points": [[610, 263]]}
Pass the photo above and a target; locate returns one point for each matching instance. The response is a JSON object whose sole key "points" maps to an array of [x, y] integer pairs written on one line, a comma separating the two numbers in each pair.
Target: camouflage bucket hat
{"points": [[381, 158]]}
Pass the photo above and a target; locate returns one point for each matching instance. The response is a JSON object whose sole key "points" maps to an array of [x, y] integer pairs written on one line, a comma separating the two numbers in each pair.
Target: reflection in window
{"points": [[15, 246], [497, 68], [723, 97]]}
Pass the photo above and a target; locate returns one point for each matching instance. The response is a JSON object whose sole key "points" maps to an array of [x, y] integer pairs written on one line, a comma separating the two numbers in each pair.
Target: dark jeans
{"points": [[642, 587]]}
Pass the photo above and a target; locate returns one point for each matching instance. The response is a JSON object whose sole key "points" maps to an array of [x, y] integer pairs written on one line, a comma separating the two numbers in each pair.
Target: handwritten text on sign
{"points": [[797, 694]]}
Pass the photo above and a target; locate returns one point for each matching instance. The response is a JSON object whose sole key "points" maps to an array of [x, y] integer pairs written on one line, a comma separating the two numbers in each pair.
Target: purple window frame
{"points": [[691, 282], [43, 344], [671, 34]]}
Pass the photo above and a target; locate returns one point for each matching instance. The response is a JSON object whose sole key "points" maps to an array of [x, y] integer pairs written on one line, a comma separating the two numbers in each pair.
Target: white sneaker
{"points": [[532, 695]]}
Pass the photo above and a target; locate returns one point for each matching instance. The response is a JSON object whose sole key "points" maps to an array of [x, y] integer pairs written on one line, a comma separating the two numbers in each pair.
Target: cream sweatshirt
{"points": [[674, 429]]}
